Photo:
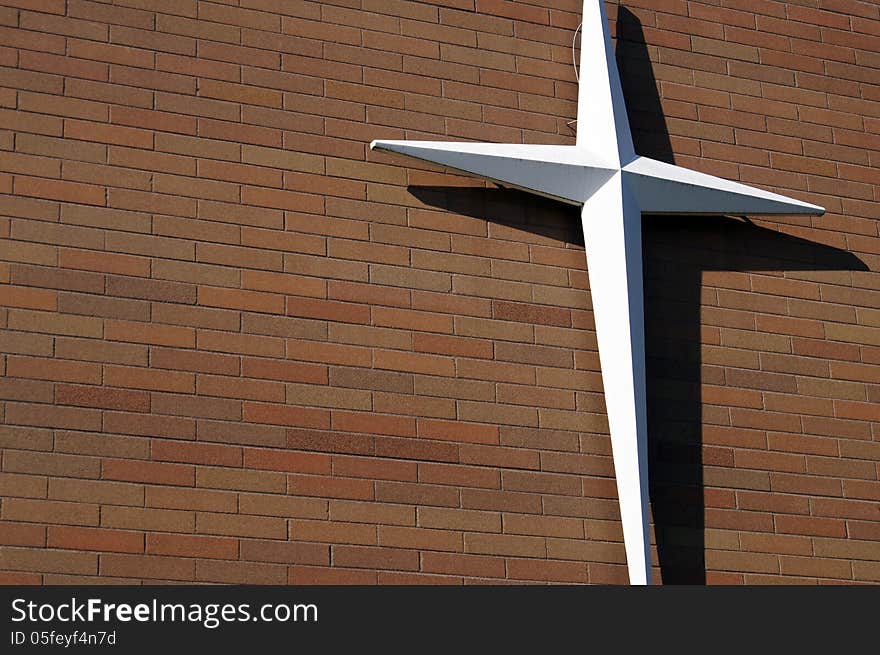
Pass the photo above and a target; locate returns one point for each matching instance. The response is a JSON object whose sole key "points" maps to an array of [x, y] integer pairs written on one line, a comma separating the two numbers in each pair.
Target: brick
{"points": [[404, 537], [138, 566], [56, 278], [169, 451], [282, 199], [285, 553], [472, 565], [148, 379], [417, 493], [409, 449], [284, 370], [114, 541], [499, 456], [303, 394], [26, 438], [54, 464], [96, 491], [283, 327], [541, 483], [282, 283], [20, 534], [199, 317], [333, 532], [375, 558], [35, 391], [374, 424], [87, 443], [239, 479], [57, 234], [228, 432], [328, 310], [464, 476], [88, 305], [192, 361], [243, 526], [116, 134], [368, 336], [330, 576], [154, 472], [372, 512], [241, 344], [286, 461], [159, 335], [53, 369], [367, 467], [49, 561], [191, 499], [412, 405], [191, 546], [413, 363], [233, 387], [359, 378], [274, 505], [282, 415], [196, 406], [238, 299], [110, 53], [23, 486], [50, 511], [458, 431], [104, 262], [46, 125], [240, 572], [149, 425], [60, 417]]}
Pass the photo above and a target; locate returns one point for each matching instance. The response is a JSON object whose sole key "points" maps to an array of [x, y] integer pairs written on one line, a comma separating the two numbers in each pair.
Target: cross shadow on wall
{"points": [[676, 253]]}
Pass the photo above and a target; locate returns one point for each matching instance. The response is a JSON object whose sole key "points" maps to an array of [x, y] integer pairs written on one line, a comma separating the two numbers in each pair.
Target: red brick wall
{"points": [[238, 347]]}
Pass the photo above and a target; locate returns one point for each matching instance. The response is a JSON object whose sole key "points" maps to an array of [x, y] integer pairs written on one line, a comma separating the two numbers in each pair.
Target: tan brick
{"points": [[239, 525], [148, 566], [190, 499], [239, 479], [50, 511], [98, 491], [117, 541], [191, 546], [48, 560]]}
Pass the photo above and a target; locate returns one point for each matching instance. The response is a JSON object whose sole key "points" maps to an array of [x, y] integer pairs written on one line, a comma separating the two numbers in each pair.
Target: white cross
{"points": [[615, 186]]}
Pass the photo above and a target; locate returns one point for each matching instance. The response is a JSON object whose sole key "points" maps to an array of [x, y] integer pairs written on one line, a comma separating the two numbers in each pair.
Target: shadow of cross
{"points": [[682, 360], [677, 253], [614, 186]]}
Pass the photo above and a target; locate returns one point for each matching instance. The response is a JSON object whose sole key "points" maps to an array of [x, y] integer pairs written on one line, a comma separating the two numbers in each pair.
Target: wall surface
{"points": [[239, 347]]}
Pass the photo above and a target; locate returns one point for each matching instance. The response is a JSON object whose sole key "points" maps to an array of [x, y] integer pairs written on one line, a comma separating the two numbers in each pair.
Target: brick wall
{"points": [[239, 347]]}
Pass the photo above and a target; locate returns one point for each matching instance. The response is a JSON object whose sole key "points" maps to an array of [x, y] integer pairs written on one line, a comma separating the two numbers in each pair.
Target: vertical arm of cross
{"points": [[602, 121], [612, 233]]}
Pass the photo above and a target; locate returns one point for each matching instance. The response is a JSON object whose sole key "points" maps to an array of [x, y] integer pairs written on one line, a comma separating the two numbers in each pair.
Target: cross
{"points": [[614, 186]]}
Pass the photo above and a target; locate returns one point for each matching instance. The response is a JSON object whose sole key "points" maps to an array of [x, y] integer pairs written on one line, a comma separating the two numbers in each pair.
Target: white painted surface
{"points": [[602, 123], [613, 234], [615, 186], [663, 188]]}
